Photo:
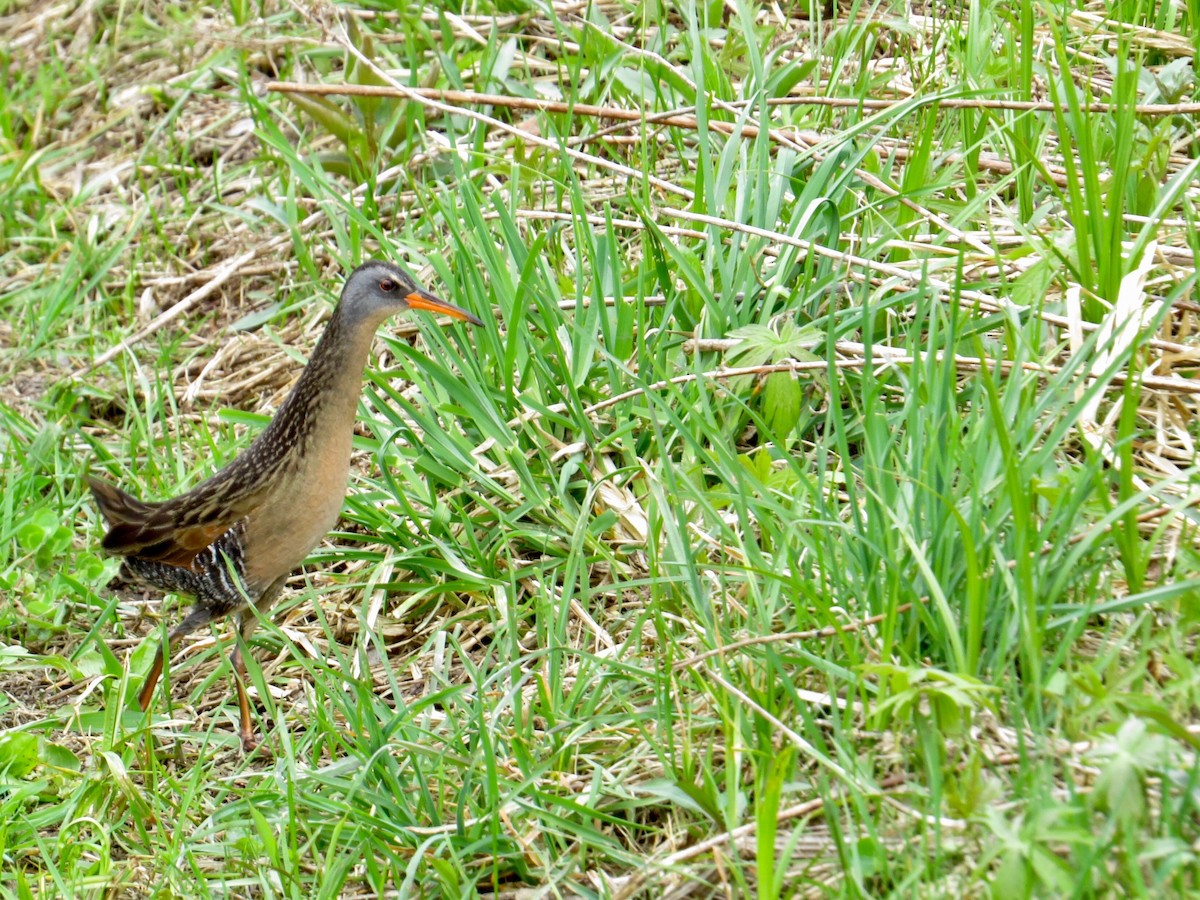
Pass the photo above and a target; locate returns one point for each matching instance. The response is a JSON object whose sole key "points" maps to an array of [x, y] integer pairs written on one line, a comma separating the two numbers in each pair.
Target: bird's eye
{"points": [[387, 285]]}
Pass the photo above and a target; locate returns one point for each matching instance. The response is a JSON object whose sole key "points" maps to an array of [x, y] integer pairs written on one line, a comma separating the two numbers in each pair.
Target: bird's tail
{"points": [[123, 512]]}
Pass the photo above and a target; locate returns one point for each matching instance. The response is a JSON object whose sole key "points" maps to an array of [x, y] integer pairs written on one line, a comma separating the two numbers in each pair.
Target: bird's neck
{"points": [[322, 405]]}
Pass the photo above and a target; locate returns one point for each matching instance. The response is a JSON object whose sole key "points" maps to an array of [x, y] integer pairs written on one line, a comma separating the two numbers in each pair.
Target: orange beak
{"points": [[420, 299]]}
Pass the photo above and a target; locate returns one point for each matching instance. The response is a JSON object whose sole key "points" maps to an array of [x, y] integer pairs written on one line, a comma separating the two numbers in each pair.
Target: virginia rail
{"points": [[232, 540]]}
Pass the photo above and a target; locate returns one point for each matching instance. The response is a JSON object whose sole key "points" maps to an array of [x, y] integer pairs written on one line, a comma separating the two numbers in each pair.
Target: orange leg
{"points": [[247, 622], [199, 615], [202, 615], [146, 695]]}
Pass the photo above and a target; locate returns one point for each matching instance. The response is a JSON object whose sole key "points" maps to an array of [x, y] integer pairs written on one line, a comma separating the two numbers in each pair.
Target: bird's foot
{"points": [[251, 744]]}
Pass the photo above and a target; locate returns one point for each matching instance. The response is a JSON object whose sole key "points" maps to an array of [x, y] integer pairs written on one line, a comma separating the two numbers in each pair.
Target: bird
{"points": [[231, 542]]}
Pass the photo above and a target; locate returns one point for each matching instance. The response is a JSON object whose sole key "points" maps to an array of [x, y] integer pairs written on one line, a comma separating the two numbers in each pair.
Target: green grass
{"points": [[907, 609]]}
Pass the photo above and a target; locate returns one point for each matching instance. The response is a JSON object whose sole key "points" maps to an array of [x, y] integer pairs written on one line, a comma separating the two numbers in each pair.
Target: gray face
{"points": [[378, 287]]}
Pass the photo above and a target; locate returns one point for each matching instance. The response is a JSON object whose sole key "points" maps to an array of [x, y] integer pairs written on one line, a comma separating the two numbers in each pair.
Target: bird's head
{"points": [[377, 289]]}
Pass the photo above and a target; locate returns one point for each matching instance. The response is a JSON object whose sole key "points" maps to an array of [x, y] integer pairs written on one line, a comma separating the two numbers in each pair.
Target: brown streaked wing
{"points": [[187, 543], [152, 531], [159, 542]]}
